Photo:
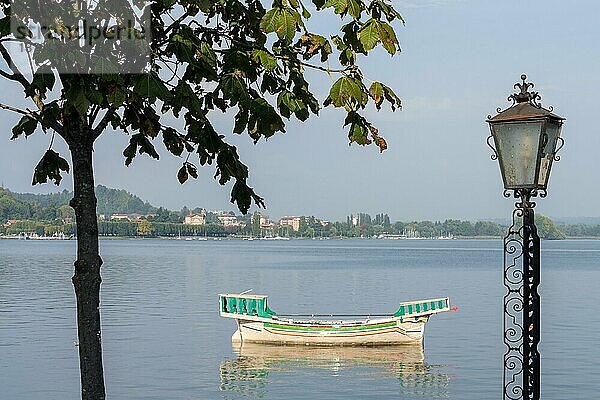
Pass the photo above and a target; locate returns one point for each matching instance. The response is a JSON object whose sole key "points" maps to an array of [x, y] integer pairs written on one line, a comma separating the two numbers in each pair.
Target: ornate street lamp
{"points": [[526, 139]]}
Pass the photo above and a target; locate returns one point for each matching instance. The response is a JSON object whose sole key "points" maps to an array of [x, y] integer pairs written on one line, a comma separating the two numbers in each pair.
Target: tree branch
{"points": [[19, 111], [250, 46], [97, 131], [17, 75], [93, 114], [176, 22], [28, 113], [309, 65]]}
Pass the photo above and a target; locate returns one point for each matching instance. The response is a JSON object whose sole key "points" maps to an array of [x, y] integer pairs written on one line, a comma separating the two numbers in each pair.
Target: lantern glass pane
{"points": [[518, 144], [552, 133]]}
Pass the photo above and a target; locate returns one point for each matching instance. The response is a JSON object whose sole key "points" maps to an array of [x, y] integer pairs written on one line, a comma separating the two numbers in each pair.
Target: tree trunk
{"points": [[86, 279]]}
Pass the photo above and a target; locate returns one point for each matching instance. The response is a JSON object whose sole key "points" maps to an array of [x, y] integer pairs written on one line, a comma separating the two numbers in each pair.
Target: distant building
{"points": [[136, 217], [267, 229], [228, 220], [293, 222], [264, 220], [11, 222], [195, 219], [119, 217]]}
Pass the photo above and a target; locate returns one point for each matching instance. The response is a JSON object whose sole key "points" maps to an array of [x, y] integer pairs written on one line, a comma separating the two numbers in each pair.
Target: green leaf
{"points": [[241, 121], [389, 11], [287, 24], [355, 8], [26, 125], [289, 104], [182, 174], [368, 35], [351, 37], [270, 83], [361, 129], [184, 96], [268, 61], [313, 44], [50, 167], [192, 170], [173, 141], [145, 146], [347, 92], [229, 165], [347, 57], [116, 96], [283, 21], [264, 120], [392, 98], [388, 37], [182, 47], [243, 195], [151, 87], [42, 81], [233, 88], [94, 96], [339, 6], [208, 55], [77, 98], [50, 113], [269, 21], [377, 93], [319, 3], [305, 13]]}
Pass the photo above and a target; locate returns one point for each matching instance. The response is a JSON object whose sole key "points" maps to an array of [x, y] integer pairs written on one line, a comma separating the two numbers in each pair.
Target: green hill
{"points": [[119, 201], [48, 206]]}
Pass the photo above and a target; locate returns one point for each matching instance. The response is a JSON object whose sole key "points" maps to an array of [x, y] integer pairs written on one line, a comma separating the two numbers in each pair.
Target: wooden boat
{"points": [[259, 324]]}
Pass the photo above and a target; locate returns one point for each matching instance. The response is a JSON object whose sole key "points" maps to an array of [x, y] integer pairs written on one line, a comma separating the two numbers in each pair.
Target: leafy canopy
{"points": [[207, 57]]}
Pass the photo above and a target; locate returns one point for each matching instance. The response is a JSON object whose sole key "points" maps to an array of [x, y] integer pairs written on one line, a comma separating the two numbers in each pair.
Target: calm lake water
{"points": [[163, 337]]}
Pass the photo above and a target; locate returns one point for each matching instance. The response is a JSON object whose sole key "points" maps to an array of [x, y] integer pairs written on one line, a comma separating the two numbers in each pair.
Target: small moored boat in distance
{"points": [[257, 323]]}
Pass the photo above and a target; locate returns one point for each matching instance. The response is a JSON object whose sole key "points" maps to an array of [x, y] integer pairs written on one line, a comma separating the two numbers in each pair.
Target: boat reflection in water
{"points": [[258, 366]]}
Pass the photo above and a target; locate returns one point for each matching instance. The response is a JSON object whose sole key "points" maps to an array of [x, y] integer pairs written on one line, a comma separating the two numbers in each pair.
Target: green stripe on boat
{"points": [[333, 328]]}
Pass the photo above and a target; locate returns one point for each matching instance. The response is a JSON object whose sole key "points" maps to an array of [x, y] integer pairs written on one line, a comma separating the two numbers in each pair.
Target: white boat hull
{"points": [[372, 333]]}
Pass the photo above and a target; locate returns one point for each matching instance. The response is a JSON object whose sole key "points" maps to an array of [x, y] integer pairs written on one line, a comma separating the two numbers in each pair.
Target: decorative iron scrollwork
{"points": [[494, 156], [524, 96], [524, 196], [521, 301], [560, 146], [513, 307]]}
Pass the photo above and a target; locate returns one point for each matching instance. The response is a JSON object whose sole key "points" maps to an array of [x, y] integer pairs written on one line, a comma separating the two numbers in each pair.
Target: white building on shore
{"points": [[195, 219]]}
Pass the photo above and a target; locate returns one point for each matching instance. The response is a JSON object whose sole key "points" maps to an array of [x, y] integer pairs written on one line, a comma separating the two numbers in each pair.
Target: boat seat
{"points": [[232, 305], [252, 307]]}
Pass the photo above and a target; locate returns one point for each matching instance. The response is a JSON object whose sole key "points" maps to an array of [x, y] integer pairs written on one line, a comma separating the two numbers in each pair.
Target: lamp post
{"points": [[525, 139]]}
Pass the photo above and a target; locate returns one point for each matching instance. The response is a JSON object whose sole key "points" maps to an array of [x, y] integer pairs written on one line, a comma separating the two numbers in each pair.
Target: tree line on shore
{"points": [[48, 215]]}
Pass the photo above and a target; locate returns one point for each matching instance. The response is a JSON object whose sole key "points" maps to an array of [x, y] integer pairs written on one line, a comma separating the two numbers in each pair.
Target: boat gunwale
{"points": [[332, 319]]}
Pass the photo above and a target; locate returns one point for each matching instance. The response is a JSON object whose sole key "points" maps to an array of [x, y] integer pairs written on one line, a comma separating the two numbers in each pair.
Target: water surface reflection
{"points": [[258, 368]]}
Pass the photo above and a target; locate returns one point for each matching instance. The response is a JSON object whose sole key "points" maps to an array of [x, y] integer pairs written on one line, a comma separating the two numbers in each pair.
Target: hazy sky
{"points": [[459, 61]]}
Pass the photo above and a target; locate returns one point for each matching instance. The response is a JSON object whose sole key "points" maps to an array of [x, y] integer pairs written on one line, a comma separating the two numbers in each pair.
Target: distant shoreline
{"points": [[240, 238]]}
